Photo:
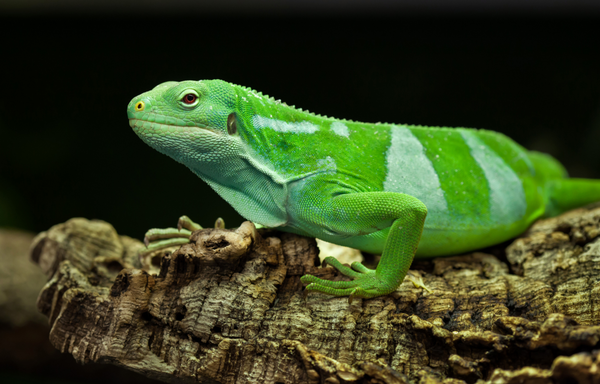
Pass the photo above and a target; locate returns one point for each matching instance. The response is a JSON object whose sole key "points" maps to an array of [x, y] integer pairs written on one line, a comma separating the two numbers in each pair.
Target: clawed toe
{"points": [[364, 285], [162, 239], [158, 234], [185, 222]]}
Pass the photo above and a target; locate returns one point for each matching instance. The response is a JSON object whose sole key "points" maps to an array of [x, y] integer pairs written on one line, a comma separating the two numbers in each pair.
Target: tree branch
{"points": [[228, 308]]}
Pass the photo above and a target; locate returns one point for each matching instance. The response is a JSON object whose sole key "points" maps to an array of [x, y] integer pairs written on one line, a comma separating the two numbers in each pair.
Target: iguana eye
{"points": [[190, 98]]}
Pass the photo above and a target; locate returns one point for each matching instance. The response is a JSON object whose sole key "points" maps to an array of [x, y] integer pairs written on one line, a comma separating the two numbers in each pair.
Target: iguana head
{"points": [[219, 129], [193, 122], [207, 126]]}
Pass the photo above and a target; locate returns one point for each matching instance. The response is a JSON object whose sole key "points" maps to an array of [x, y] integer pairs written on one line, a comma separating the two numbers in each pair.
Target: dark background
{"points": [[66, 148]]}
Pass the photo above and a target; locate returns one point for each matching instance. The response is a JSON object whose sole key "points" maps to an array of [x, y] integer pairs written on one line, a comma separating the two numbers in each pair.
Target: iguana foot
{"points": [[366, 283], [162, 239]]}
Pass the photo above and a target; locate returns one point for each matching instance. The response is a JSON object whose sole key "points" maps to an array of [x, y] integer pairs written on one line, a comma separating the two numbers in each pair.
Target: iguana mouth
{"points": [[139, 124]]}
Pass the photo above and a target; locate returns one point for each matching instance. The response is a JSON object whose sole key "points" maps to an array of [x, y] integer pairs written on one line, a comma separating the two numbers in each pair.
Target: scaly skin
{"points": [[399, 190]]}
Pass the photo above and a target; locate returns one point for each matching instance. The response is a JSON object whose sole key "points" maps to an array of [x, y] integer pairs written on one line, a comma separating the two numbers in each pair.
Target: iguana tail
{"points": [[561, 192]]}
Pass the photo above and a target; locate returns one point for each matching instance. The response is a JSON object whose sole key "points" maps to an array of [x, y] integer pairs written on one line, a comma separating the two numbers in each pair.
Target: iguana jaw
{"points": [[193, 146], [143, 126]]}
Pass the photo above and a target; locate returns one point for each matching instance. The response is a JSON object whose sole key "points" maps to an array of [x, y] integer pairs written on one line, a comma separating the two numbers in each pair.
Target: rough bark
{"points": [[228, 308]]}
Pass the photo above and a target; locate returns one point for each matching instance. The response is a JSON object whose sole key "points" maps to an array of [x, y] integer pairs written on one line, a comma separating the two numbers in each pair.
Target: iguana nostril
{"points": [[139, 106]]}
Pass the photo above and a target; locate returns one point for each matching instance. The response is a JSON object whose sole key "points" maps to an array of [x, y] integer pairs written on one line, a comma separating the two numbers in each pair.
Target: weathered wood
{"points": [[228, 308]]}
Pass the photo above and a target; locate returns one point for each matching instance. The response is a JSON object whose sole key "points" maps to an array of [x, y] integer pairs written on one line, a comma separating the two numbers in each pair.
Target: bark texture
{"points": [[228, 308]]}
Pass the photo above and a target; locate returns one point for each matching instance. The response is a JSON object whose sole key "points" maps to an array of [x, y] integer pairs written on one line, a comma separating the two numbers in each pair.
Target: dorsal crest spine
{"points": [[279, 102]]}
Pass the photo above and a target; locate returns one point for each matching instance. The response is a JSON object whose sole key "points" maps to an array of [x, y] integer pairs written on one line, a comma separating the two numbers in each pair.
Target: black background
{"points": [[66, 148]]}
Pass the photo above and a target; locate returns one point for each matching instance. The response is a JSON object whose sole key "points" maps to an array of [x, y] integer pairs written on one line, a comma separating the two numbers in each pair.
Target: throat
{"points": [[252, 193]]}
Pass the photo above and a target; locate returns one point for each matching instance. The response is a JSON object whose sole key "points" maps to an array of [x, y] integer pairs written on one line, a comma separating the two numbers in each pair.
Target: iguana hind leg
{"points": [[359, 213]]}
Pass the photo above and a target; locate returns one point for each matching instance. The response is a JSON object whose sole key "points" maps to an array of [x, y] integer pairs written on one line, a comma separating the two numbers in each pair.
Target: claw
{"points": [[187, 223], [220, 223], [305, 292], [146, 241]]}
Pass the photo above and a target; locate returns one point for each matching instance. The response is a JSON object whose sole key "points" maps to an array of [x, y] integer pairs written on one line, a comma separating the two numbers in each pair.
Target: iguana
{"points": [[401, 190]]}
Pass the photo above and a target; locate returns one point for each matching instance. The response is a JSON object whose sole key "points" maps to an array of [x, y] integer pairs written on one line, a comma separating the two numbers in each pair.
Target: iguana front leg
{"points": [[356, 214]]}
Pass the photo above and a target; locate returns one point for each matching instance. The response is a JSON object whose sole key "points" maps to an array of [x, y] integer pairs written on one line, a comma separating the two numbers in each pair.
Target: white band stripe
{"points": [[507, 197], [284, 126], [340, 129], [409, 171]]}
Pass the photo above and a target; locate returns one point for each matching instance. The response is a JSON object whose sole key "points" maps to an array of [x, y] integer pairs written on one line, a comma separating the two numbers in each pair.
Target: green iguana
{"points": [[403, 191]]}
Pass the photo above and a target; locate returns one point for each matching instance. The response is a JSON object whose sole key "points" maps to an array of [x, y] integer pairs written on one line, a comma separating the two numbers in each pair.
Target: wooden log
{"points": [[228, 307]]}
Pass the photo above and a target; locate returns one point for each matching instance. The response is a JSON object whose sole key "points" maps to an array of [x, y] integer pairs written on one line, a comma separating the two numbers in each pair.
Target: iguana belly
{"points": [[438, 242]]}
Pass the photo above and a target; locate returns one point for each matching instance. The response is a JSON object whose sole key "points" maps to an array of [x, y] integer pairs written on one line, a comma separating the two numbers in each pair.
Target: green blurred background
{"points": [[66, 148]]}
